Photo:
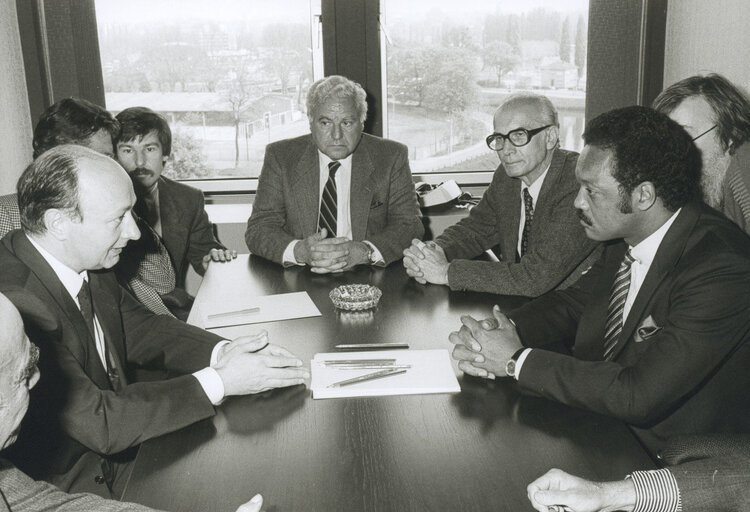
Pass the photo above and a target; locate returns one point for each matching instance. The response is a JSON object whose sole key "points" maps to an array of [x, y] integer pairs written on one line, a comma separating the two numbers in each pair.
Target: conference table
{"points": [[476, 450]]}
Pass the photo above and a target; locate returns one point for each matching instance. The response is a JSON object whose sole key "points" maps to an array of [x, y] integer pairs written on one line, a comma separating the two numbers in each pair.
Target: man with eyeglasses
{"points": [[716, 114], [527, 211]]}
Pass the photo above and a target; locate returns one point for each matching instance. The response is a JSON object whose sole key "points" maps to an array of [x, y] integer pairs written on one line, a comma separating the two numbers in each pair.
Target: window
{"points": [[450, 64], [230, 76]]}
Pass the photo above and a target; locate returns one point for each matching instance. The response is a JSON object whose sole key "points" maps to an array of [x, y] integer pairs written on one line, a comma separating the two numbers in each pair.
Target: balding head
{"points": [[18, 372]]}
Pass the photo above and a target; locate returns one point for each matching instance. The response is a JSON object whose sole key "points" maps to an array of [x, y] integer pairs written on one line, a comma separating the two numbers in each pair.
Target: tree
{"points": [[501, 57], [239, 96], [187, 159], [514, 34], [580, 51], [565, 42], [450, 81]]}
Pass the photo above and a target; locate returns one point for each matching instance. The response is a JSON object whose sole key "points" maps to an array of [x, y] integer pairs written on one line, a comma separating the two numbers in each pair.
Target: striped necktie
{"points": [[528, 203], [86, 304], [329, 202], [616, 308]]}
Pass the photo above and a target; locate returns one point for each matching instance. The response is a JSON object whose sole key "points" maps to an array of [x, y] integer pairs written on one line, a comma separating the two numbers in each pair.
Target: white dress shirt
{"points": [[72, 281], [643, 255], [343, 205], [533, 189]]}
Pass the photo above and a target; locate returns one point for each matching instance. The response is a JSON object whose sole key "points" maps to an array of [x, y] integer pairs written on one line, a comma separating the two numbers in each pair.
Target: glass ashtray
{"points": [[355, 297]]}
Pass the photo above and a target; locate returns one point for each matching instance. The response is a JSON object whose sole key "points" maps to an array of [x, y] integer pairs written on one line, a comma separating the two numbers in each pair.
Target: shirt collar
{"points": [[535, 187], [645, 251], [70, 279], [325, 160]]}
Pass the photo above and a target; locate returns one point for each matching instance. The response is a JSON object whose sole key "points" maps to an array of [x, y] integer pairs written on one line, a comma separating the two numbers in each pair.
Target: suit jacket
{"points": [[10, 217], [559, 250], [737, 189], [680, 366], [75, 417], [19, 493], [384, 208], [187, 233]]}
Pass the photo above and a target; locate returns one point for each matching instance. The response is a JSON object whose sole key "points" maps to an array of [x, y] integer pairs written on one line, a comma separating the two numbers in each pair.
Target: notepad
{"points": [[269, 308], [430, 372]]}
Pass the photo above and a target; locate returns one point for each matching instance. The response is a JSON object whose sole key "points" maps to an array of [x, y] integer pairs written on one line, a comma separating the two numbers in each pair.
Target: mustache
{"points": [[142, 170], [583, 217]]}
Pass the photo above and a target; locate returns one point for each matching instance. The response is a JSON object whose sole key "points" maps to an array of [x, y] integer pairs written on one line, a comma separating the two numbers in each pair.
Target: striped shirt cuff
{"points": [[656, 491]]}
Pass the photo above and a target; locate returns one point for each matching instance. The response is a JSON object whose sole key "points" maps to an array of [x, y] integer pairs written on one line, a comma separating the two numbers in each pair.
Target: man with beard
{"points": [[716, 114], [656, 334], [174, 211]]}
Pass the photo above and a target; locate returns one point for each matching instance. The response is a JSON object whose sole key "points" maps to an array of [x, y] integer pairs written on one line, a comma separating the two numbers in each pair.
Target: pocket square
{"points": [[646, 330]]}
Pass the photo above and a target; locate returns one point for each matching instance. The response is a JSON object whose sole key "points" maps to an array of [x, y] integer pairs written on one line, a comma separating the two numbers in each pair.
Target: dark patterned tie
{"points": [[87, 311], [616, 308], [528, 204], [329, 201]]}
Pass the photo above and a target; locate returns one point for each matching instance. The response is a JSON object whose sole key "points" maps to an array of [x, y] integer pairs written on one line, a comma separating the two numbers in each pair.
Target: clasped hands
{"points": [[250, 364], [326, 255], [482, 348], [426, 262]]}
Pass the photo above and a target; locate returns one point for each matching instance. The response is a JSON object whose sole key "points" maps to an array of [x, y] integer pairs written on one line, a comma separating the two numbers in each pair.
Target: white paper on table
{"points": [[283, 306], [430, 372]]}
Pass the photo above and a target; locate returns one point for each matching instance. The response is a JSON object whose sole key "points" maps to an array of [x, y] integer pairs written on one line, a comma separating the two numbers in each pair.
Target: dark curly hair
{"points": [[71, 121], [730, 105], [138, 122], [649, 146]]}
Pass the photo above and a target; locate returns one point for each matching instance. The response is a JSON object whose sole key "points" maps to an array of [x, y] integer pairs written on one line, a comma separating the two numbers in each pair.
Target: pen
{"points": [[235, 313], [369, 376], [372, 346], [334, 362]]}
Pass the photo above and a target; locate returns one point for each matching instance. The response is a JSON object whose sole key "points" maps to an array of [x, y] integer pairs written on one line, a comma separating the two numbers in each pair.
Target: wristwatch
{"points": [[510, 366]]}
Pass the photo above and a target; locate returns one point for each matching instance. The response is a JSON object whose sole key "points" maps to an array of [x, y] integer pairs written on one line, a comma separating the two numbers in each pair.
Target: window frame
{"points": [[350, 31]]}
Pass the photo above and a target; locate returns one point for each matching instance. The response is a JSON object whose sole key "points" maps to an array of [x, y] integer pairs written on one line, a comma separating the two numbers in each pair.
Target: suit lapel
{"points": [[173, 232], [510, 216], [305, 186], [107, 312], [551, 181], [25, 251], [360, 195], [669, 252]]}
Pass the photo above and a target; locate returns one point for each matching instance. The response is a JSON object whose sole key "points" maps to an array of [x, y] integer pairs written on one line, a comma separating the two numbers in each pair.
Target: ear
{"points": [[57, 223], [643, 196], [552, 137]]}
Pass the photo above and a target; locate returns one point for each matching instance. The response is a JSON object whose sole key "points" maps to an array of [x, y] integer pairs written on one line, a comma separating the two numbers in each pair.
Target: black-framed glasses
{"points": [[518, 137], [702, 134]]}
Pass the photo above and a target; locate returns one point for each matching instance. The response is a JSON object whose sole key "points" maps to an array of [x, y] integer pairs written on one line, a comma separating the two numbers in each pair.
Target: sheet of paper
{"points": [[271, 308], [430, 372]]}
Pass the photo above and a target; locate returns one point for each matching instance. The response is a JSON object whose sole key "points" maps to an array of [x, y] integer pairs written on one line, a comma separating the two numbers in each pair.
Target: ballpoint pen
{"points": [[372, 346], [234, 313], [369, 376]]}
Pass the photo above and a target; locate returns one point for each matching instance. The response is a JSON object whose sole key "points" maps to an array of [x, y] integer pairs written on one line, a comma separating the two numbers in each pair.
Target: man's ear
{"points": [[57, 223], [552, 137], [643, 196]]}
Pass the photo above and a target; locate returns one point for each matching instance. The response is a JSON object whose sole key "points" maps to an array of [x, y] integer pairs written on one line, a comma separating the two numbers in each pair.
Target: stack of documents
{"points": [[387, 372], [254, 310]]}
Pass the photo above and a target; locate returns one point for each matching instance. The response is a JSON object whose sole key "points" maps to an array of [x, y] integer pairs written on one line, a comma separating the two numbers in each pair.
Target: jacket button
{"points": [[99, 479], [660, 456]]}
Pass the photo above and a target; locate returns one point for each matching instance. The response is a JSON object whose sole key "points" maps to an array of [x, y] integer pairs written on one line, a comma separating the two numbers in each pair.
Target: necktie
{"points": [[616, 307], [329, 201], [87, 311], [528, 204]]}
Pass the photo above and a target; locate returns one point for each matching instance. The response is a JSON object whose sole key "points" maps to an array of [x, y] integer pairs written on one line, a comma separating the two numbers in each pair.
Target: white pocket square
{"points": [[646, 330]]}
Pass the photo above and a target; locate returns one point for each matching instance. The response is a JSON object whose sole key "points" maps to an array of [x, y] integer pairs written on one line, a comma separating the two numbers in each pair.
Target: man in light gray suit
{"points": [[527, 211], [18, 374], [336, 198]]}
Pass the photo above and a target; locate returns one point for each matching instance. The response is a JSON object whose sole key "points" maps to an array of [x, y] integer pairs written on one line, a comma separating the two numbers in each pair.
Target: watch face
{"points": [[510, 368]]}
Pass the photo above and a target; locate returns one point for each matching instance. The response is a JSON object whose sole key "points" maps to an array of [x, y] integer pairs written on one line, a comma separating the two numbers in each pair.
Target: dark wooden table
{"points": [[473, 451]]}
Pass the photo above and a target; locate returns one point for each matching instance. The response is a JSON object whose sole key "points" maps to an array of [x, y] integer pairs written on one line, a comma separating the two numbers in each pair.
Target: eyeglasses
{"points": [[702, 134], [518, 137]]}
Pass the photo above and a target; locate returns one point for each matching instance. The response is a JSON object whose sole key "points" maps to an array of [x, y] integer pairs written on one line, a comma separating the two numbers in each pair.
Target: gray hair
{"points": [[546, 109], [51, 182], [338, 87]]}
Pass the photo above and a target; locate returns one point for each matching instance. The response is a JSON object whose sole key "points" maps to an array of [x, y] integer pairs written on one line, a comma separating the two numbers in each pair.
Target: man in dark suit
{"points": [[706, 474], [87, 415], [527, 210], [18, 375], [656, 333], [336, 198], [175, 212]]}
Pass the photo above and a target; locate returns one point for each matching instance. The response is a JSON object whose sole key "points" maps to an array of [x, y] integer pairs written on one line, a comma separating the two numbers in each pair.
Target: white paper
{"points": [[430, 372], [283, 306]]}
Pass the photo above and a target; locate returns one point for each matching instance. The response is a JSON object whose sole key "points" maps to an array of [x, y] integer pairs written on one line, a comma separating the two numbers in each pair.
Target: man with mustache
{"points": [[174, 211], [656, 333], [526, 211], [90, 412], [716, 115], [18, 376]]}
